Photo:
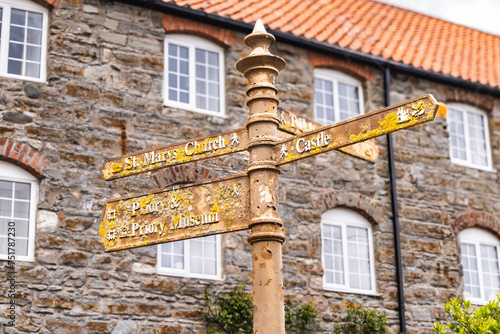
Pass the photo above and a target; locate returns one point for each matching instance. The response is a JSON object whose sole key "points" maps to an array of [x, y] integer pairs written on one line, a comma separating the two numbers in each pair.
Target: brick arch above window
{"points": [[179, 25], [359, 71], [476, 219], [455, 94], [360, 203], [22, 155]]}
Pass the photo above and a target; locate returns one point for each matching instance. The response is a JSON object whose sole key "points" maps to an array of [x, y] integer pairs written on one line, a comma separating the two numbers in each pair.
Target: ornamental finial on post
{"points": [[260, 41]]}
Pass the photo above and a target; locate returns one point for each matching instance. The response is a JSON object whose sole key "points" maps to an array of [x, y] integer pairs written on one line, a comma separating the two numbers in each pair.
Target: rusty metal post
{"points": [[267, 237]]}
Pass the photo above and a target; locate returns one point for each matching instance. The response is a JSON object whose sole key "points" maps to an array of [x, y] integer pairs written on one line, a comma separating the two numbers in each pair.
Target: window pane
{"points": [[184, 97], [6, 189], [172, 65], [166, 248], [21, 209], [32, 70], [200, 56], [491, 273], [213, 59], [332, 250], [183, 67], [14, 67], [358, 256], [16, 50], [329, 277], [18, 17], [201, 87], [178, 73], [366, 283], [477, 139], [16, 34], [172, 80], [328, 86], [22, 190], [197, 266], [21, 248], [457, 134], [201, 72], [213, 104], [3, 245], [5, 208], [328, 262], [166, 261], [196, 248], [178, 247], [201, 102], [22, 227], [172, 95], [34, 36], [352, 92], [178, 261], [35, 20], [469, 264], [323, 101], [183, 83], [210, 267], [213, 74], [342, 89]]}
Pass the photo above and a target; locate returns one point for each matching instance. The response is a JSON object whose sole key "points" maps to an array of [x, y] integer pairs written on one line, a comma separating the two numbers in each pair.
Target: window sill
{"points": [[21, 78], [17, 259], [356, 292], [187, 107], [192, 276], [465, 164]]}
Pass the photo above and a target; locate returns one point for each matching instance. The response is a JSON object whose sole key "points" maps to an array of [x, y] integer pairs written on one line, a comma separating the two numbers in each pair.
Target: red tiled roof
{"points": [[374, 28]]}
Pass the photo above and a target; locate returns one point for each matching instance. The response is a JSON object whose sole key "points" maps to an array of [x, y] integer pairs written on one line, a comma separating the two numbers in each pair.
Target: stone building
{"points": [[83, 81]]}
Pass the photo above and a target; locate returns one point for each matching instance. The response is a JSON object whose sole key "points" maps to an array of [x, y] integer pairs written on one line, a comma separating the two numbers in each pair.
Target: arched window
{"points": [[337, 96], [199, 258], [23, 39], [347, 252], [18, 198], [469, 136], [194, 74], [480, 263]]}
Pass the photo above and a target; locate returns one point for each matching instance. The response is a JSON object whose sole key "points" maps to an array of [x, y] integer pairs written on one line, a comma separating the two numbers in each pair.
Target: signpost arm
{"points": [[261, 68]]}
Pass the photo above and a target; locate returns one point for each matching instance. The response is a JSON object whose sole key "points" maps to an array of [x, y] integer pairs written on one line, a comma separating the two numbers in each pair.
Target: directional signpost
{"points": [[176, 214], [244, 201]]}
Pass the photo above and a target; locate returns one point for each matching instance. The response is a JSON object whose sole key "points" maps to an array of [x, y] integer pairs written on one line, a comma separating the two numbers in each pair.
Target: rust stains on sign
{"points": [[357, 129], [176, 214], [193, 150]]}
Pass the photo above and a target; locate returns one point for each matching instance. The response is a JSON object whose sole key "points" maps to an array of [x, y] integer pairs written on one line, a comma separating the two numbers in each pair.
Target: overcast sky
{"points": [[482, 15]]}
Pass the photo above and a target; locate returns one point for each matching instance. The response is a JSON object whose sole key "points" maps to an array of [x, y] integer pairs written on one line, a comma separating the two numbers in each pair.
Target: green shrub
{"points": [[232, 313], [301, 318], [467, 320], [360, 321]]}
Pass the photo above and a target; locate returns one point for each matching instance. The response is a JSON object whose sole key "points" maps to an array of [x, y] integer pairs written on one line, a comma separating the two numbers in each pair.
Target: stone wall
{"points": [[103, 98]]}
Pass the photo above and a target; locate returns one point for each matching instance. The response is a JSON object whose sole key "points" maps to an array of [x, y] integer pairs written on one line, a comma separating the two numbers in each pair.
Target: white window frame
{"points": [[335, 77], [344, 218], [10, 172], [193, 42], [186, 272], [31, 6], [477, 236], [464, 109]]}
